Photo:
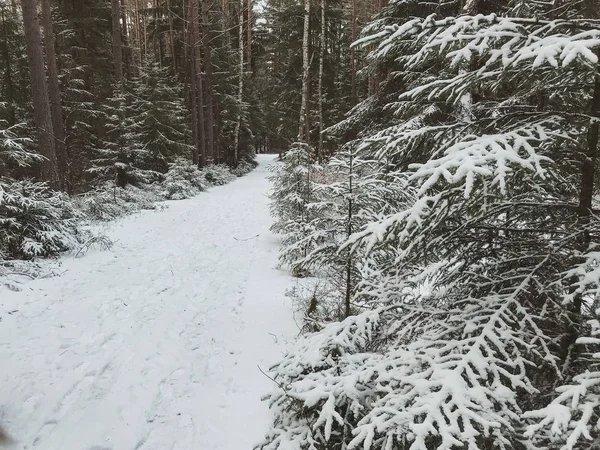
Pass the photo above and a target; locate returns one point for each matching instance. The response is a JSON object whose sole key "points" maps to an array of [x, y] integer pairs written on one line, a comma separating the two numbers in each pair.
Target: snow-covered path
{"points": [[155, 344]]}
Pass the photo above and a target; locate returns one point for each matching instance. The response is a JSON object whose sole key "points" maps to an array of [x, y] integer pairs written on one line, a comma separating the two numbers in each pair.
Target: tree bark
{"points": [[353, 68], [39, 90], [125, 43], [321, 93], [197, 79], [58, 125], [8, 78], [172, 37], [249, 36], [348, 293], [210, 132], [304, 127], [117, 41], [238, 123]]}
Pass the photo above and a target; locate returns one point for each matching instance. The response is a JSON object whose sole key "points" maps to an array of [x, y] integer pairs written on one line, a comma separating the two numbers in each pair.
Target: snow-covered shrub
{"points": [[109, 202], [348, 193], [244, 166], [291, 194], [409, 378], [572, 420], [183, 180], [36, 221], [316, 301], [218, 174], [12, 149]]}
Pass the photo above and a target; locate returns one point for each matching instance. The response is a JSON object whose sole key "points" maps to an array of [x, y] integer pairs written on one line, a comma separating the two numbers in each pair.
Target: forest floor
{"points": [[155, 344]]}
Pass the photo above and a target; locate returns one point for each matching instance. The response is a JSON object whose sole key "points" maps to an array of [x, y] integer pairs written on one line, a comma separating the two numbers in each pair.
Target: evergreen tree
{"points": [[145, 129], [492, 127]]}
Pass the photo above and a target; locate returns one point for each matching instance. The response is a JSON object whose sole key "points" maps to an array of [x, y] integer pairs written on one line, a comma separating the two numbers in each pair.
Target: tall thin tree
{"points": [[303, 130], [240, 93], [39, 90], [321, 68], [117, 41], [58, 126], [208, 86]]}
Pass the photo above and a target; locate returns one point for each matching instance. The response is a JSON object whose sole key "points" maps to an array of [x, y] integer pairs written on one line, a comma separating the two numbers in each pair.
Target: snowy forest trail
{"points": [[155, 344]]}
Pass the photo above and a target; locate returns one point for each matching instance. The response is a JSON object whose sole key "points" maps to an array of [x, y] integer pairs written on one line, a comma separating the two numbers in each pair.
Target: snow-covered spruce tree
{"points": [[160, 116], [497, 135], [291, 194], [81, 114], [13, 151], [34, 221], [145, 129], [350, 192], [120, 157], [571, 420]]}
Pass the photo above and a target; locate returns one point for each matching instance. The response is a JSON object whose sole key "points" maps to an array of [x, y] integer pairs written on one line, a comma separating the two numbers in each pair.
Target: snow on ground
{"points": [[155, 344]]}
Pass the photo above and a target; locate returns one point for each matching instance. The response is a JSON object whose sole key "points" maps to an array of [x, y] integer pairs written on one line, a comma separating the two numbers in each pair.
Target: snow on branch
{"points": [[573, 416], [492, 156], [485, 162], [586, 276], [491, 39]]}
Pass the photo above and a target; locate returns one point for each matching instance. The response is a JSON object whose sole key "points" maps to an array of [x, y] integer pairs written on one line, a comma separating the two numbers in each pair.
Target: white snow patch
{"points": [[154, 344]]}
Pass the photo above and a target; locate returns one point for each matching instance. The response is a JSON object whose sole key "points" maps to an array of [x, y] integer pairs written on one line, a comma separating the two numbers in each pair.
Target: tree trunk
{"points": [[321, 93], [116, 41], [353, 68], [238, 123], [188, 58], [226, 23], [304, 127], [125, 42], [172, 37], [39, 90], [10, 91], [249, 36], [210, 138], [197, 79], [349, 231], [58, 125]]}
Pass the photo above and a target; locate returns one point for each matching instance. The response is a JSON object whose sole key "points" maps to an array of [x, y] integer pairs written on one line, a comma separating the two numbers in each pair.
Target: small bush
{"points": [[35, 221], [109, 202], [218, 174], [183, 180], [245, 166]]}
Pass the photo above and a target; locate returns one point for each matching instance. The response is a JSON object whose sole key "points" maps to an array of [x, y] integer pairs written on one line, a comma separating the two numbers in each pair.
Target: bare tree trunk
{"points": [[249, 37], [238, 123], [39, 90], [226, 24], [349, 231], [116, 41], [188, 56], [126, 44], [321, 93], [10, 90], [172, 37], [58, 125], [210, 132], [303, 124], [197, 79], [142, 28], [353, 68]]}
